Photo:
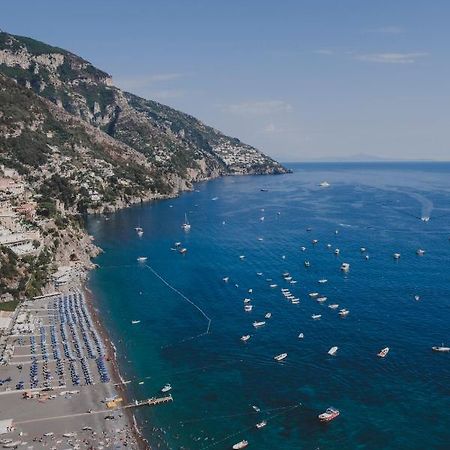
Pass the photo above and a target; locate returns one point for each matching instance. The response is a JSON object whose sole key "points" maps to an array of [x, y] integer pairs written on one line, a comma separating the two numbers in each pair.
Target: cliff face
{"points": [[176, 145]]}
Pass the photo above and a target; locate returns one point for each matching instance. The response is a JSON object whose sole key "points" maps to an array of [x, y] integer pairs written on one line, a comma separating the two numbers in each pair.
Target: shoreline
{"points": [[116, 376]]}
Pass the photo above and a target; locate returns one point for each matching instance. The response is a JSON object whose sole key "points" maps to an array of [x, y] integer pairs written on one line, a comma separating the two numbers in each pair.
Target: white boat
{"points": [[69, 435], [245, 338], [420, 252], [242, 257], [248, 308], [268, 315], [323, 281], [321, 299], [273, 285], [15, 444], [260, 239], [182, 250], [441, 349], [288, 278], [382, 353], [177, 244], [303, 249], [261, 424], [313, 294], [417, 298], [345, 267], [344, 312], [337, 251], [425, 219], [167, 387], [307, 263], [239, 445], [295, 301], [324, 184], [367, 257], [396, 255], [328, 245], [330, 414], [259, 274], [142, 259], [301, 336], [186, 225], [226, 279], [140, 233], [333, 306], [315, 241], [333, 351], [284, 290], [259, 324], [362, 249], [247, 300], [280, 357], [261, 219], [256, 408], [293, 282], [250, 291], [134, 322], [316, 316]]}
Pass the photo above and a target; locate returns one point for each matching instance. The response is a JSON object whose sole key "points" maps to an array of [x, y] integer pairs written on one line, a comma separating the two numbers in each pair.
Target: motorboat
{"points": [[316, 316], [333, 306], [313, 294], [441, 349], [280, 357], [226, 279], [328, 245], [337, 251], [382, 353], [420, 252], [425, 218], [288, 278], [262, 219], [329, 415], [324, 184], [322, 281], [396, 255], [268, 315], [248, 308], [307, 263], [301, 336], [303, 249], [333, 350], [247, 300], [167, 387], [295, 301], [245, 338], [239, 445], [255, 408], [321, 299], [140, 233], [262, 424], [182, 251], [417, 298], [314, 241], [250, 291], [362, 249], [293, 282], [344, 312], [142, 259], [186, 225], [242, 257], [259, 324], [134, 322], [273, 285], [345, 267]]}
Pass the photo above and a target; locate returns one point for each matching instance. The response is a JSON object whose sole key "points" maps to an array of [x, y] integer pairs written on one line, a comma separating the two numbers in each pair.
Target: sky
{"points": [[298, 79]]}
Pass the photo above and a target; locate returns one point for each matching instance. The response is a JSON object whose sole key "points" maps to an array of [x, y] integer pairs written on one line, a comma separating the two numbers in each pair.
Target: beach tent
{"points": [[6, 426]]}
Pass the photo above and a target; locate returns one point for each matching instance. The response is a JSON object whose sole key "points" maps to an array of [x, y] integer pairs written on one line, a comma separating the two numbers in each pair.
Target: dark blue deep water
{"points": [[400, 402]]}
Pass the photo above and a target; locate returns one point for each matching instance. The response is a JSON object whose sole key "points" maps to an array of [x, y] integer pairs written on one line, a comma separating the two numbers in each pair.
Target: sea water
{"points": [[399, 402]]}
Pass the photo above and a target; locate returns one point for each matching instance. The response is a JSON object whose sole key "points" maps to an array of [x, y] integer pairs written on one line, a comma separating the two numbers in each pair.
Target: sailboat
{"points": [[186, 225]]}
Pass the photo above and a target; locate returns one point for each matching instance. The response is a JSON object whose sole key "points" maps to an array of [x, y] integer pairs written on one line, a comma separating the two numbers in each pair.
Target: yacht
{"points": [[167, 387], [345, 267], [344, 312], [333, 350], [441, 349], [259, 324], [330, 414], [245, 338], [316, 316], [280, 357], [261, 424], [382, 353], [186, 225], [268, 315], [239, 445], [142, 259]]}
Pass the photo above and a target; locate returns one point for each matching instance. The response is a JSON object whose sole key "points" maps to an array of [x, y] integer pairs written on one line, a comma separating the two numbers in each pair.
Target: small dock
{"points": [[154, 401]]}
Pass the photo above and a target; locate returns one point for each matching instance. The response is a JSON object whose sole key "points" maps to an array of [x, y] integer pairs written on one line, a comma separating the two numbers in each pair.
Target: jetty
{"points": [[153, 401]]}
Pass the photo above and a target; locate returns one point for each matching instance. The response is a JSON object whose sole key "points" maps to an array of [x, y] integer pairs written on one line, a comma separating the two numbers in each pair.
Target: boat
{"points": [[182, 250], [417, 298], [268, 315], [425, 219], [134, 322], [242, 257], [367, 256], [337, 251], [250, 291], [362, 249], [259, 274], [323, 281], [248, 308], [288, 278], [345, 267], [245, 338], [316, 316], [167, 387], [396, 255], [273, 285], [333, 306], [441, 349], [329, 415], [303, 249], [301, 336], [286, 274], [241, 444], [262, 424], [186, 225], [256, 408], [264, 190], [295, 301], [280, 357], [142, 259], [321, 299], [328, 245], [15, 444], [140, 233], [215, 198], [333, 350], [259, 324], [226, 279], [313, 294], [324, 184], [314, 241], [382, 353], [420, 252], [344, 312], [247, 300], [307, 263], [260, 239], [293, 282], [177, 244], [261, 218]]}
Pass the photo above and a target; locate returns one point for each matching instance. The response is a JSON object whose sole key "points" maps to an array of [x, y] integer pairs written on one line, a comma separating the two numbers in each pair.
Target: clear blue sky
{"points": [[299, 79]]}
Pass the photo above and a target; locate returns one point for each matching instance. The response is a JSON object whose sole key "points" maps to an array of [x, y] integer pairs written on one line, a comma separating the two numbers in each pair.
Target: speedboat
{"points": [[167, 387], [142, 259], [344, 312], [333, 306], [295, 301], [182, 250], [268, 315], [303, 249], [333, 351], [247, 300], [245, 338], [441, 349], [259, 324], [273, 285], [248, 308], [134, 322], [324, 184], [382, 353], [186, 225], [261, 424], [323, 281], [396, 255], [256, 408], [313, 294], [226, 279], [288, 278], [280, 357], [425, 219], [314, 241], [345, 267], [330, 414], [307, 263], [337, 251], [241, 444], [420, 252], [293, 282], [301, 336], [322, 299], [316, 316], [242, 257], [140, 233]]}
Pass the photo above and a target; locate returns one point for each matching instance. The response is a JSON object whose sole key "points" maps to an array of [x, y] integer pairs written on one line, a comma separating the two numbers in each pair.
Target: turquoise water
{"points": [[400, 402]]}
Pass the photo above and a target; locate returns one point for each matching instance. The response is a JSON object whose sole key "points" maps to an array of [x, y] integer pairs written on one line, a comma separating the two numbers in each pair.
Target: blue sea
{"points": [[399, 402]]}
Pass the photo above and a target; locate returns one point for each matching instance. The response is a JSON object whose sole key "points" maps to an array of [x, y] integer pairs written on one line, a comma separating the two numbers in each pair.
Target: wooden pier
{"points": [[153, 401]]}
